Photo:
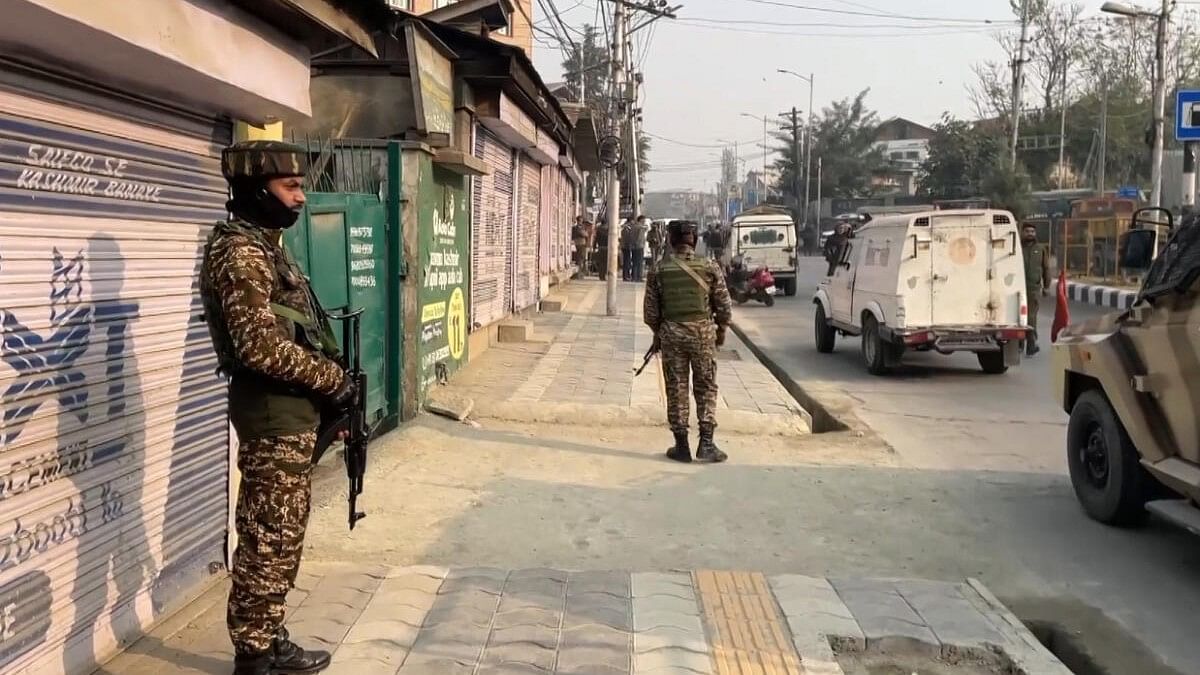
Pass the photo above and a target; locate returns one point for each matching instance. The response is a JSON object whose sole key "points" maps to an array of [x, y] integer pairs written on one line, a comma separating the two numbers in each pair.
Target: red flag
{"points": [[1062, 311]]}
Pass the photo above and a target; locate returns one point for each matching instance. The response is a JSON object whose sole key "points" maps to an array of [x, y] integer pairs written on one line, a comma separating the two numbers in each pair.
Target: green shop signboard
{"points": [[445, 269]]}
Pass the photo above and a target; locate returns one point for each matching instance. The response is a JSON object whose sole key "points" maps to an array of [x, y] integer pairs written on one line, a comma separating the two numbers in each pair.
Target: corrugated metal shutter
{"points": [[491, 232], [525, 277], [546, 235], [115, 448]]}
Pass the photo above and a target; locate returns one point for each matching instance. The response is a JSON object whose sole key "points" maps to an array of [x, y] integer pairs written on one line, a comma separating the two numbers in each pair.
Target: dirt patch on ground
{"points": [[884, 664]]}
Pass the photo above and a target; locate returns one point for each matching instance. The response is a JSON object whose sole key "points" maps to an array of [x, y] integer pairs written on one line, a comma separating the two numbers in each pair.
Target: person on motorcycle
{"points": [[739, 275]]}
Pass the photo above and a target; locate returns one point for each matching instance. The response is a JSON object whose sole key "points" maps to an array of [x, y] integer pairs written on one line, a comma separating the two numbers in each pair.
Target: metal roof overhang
{"points": [[491, 13], [314, 22]]}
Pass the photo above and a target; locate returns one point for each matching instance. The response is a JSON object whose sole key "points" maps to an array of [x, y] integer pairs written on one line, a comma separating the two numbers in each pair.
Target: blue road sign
{"points": [[735, 207], [1187, 115], [1129, 192]]}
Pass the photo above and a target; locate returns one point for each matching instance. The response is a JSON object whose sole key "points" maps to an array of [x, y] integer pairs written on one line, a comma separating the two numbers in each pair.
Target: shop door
{"points": [[114, 443], [341, 243], [525, 248], [491, 232]]}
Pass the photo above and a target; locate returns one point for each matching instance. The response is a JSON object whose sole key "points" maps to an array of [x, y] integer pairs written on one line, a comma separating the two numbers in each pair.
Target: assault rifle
{"points": [[352, 420], [655, 347]]}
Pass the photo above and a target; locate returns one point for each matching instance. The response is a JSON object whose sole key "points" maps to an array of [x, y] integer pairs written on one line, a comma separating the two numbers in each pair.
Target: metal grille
{"points": [[491, 232], [345, 164], [1000, 220], [1179, 263], [525, 277], [546, 241], [114, 447]]}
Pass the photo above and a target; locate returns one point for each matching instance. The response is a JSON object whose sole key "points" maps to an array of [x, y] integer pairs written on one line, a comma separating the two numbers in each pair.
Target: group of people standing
{"points": [[591, 247]]}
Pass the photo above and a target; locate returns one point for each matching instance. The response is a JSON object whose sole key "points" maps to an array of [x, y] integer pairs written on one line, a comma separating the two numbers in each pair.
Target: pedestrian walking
{"points": [[579, 238], [627, 250], [655, 240], [688, 307], [274, 343], [641, 232], [1037, 281], [714, 240]]}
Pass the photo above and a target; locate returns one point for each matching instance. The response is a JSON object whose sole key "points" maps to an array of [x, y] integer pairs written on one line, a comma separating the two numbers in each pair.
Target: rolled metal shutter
{"points": [[525, 277], [114, 444], [491, 232], [546, 240]]}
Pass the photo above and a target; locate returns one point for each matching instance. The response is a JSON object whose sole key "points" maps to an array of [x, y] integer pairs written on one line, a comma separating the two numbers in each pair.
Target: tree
{"points": [[844, 139], [586, 70], [960, 155], [1007, 187]]}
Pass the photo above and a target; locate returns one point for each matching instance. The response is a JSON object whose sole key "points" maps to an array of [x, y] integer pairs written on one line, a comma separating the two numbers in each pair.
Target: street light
{"points": [[1160, 87], [807, 140]]}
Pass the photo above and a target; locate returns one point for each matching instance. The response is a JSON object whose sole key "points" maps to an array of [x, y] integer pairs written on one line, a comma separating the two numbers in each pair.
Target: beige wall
{"points": [[520, 33]]}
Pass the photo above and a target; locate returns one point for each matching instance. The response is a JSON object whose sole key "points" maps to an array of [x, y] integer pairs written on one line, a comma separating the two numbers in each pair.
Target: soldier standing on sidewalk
{"points": [[688, 308], [1037, 280], [274, 343]]}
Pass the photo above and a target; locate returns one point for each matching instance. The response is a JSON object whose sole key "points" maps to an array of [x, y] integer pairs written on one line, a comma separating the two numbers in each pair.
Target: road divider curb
{"points": [[1101, 296]]}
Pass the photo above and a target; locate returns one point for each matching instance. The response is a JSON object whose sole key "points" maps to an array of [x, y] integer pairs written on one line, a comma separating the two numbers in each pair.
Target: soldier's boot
{"points": [[252, 664], [1031, 347], [289, 658], [682, 450], [708, 450]]}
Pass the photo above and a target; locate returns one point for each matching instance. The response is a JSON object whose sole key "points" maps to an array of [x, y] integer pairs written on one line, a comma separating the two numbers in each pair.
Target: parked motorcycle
{"points": [[745, 285]]}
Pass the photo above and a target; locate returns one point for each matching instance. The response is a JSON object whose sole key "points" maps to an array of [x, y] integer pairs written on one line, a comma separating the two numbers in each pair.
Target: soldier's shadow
{"points": [[167, 659]]}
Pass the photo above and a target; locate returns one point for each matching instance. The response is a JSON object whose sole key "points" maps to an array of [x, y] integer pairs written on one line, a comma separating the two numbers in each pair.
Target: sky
{"points": [[702, 71]]}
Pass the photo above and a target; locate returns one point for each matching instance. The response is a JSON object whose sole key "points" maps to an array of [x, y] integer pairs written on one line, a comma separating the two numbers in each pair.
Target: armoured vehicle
{"points": [[1131, 384]]}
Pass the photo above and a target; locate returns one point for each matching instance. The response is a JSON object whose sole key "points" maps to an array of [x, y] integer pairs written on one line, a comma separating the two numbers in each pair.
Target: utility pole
{"points": [[808, 143], [1062, 127], [796, 167], [1103, 166], [614, 186], [1018, 79], [818, 196], [1160, 102]]}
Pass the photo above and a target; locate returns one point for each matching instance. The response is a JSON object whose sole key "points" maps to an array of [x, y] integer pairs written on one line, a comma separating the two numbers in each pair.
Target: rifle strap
{"points": [[692, 273]]}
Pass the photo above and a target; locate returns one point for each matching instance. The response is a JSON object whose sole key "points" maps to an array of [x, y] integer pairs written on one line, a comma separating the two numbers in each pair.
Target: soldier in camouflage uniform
{"points": [[688, 308], [1037, 280], [274, 343]]}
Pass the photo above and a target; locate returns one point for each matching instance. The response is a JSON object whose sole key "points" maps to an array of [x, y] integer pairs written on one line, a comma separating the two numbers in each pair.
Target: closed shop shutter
{"points": [[491, 232], [114, 444], [525, 277], [546, 237]]}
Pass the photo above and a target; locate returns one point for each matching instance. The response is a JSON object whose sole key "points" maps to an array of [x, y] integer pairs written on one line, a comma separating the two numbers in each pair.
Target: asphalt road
{"points": [[1002, 435]]}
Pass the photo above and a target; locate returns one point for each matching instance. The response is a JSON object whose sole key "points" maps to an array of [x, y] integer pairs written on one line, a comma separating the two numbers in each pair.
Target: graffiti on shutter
{"points": [[113, 433]]}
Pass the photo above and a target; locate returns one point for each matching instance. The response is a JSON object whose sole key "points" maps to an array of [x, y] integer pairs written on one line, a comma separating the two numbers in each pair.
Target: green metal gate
{"points": [[341, 243]]}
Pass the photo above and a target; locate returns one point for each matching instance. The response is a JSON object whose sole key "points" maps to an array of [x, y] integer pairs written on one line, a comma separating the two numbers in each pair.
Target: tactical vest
{"points": [[260, 406], [683, 300]]}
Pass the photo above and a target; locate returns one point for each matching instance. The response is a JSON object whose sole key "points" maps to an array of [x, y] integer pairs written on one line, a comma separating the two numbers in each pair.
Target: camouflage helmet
{"points": [[263, 159]]}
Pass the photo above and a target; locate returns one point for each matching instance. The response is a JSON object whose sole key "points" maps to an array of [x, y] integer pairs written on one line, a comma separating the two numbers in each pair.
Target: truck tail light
{"points": [[918, 338], [1012, 334]]}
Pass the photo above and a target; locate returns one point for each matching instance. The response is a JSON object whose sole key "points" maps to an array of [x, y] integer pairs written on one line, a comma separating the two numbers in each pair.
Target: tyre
{"points": [[768, 300], [789, 288], [992, 363], [826, 335], [874, 350], [1109, 482]]}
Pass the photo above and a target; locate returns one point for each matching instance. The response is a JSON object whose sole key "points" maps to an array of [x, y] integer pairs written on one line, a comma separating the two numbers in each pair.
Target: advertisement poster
{"points": [[445, 266]]}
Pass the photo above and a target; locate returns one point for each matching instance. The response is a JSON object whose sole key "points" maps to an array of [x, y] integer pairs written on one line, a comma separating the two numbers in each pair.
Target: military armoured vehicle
{"points": [[1131, 384]]}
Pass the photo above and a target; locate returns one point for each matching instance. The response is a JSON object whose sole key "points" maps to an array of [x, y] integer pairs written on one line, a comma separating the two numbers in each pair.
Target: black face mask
{"points": [[255, 204]]}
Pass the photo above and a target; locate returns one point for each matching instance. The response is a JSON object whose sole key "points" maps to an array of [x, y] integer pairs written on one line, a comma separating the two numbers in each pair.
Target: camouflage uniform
{"points": [[688, 345], [267, 331]]}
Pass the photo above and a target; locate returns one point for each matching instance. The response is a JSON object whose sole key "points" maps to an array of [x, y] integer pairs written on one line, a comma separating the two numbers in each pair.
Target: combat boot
{"points": [[682, 450], [1031, 347], [252, 664], [289, 658], [708, 450]]}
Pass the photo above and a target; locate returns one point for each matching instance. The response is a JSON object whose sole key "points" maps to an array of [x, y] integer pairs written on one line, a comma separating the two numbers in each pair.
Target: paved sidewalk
{"points": [[581, 357], [435, 621]]}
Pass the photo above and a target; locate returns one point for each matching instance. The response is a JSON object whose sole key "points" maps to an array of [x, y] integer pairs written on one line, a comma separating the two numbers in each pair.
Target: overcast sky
{"points": [[702, 71]]}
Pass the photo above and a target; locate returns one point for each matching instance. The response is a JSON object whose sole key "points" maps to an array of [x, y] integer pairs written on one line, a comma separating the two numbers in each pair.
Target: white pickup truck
{"points": [[937, 280]]}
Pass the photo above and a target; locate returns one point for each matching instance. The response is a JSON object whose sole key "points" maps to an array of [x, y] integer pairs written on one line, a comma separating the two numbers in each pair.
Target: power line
{"points": [[880, 15], [826, 24], [699, 145], [909, 34]]}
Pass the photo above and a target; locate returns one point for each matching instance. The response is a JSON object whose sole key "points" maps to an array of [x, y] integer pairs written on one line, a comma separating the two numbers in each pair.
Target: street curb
{"points": [[823, 420], [1100, 296]]}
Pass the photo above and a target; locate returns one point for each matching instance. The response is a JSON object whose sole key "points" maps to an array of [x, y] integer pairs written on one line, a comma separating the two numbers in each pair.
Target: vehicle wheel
{"points": [[874, 349], [826, 334], [789, 288], [768, 300], [1108, 479], [992, 363]]}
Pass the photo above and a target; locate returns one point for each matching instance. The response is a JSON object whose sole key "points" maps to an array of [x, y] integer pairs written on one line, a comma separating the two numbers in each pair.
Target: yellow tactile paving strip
{"points": [[747, 633]]}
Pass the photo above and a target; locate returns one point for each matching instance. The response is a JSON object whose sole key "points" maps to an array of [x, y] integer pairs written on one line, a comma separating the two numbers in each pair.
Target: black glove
{"points": [[345, 394], [720, 336]]}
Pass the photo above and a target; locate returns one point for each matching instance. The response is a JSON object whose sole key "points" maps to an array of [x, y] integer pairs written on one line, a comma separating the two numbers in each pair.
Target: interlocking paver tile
{"points": [[541, 636], [419, 665], [389, 630], [886, 618], [671, 659], [664, 603], [539, 573], [669, 636], [648, 584], [541, 657], [514, 669], [527, 616]]}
